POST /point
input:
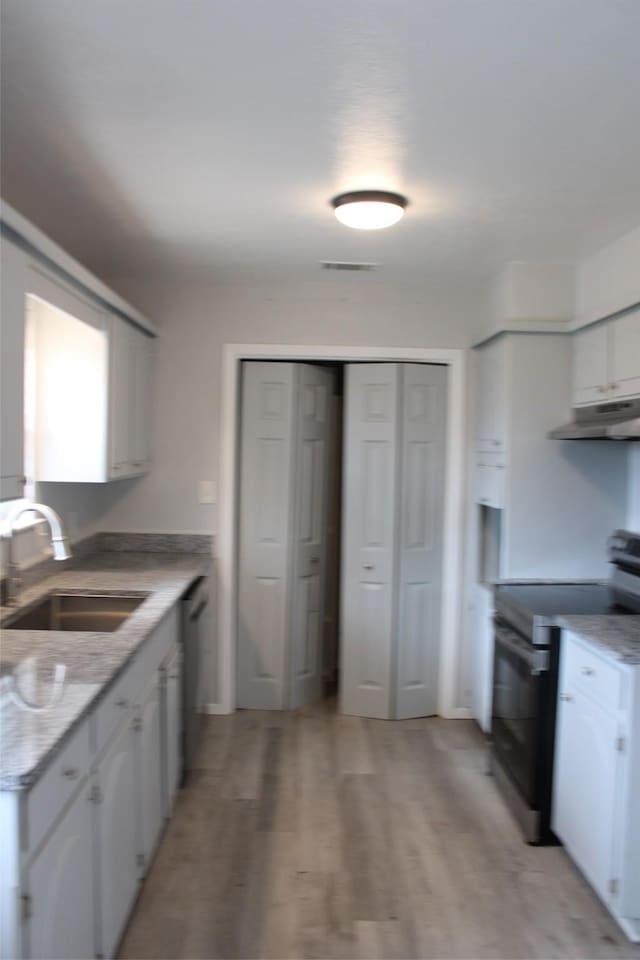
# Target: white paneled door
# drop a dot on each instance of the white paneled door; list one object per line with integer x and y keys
{"x": 423, "y": 396}
{"x": 394, "y": 455}
{"x": 369, "y": 523}
{"x": 282, "y": 558}
{"x": 311, "y": 466}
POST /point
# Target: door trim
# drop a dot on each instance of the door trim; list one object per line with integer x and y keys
{"x": 227, "y": 538}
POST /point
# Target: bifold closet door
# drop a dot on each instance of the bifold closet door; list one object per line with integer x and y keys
{"x": 393, "y": 497}
{"x": 420, "y": 519}
{"x": 266, "y": 488}
{"x": 285, "y": 435}
{"x": 369, "y": 506}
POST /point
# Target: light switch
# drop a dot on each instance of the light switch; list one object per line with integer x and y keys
{"x": 207, "y": 491}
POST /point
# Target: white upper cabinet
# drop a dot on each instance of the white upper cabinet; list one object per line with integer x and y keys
{"x": 606, "y": 361}
{"x": 129, "y": 391}
{"x": 624, "y": 351}
{"x": 13, "y": 265}
{"x": 91, "y": 384}
{"x": 491, "y": 413}
{"x": 590, "y": 365}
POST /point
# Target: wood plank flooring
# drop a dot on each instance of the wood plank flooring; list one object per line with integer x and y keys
{"x": 314, "y": 835}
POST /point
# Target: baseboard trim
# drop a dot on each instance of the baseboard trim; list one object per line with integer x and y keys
{"x": 214, "y": 709}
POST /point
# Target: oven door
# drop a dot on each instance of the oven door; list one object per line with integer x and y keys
{"x": 520, "y": 683}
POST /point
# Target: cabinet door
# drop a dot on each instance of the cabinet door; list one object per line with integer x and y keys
{"x": 624, "y": 346}
{"x": 117, "y": 846}
{"x": 13, "y": 265}
{"x": 60, "y": 882}
{"x": 149, "y": 767}
{"x": 141, "y": 346}
{"x": 491, "y": 396}
{"x": 173, "y": 752}
{"x": 481, "y": 611}
{"x": 120, "y": 398}
{"x": 585, "y": 784}
{"x": 590, "y": 351}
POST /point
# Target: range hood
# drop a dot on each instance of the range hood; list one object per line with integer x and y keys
{"x": 607, "y": 421}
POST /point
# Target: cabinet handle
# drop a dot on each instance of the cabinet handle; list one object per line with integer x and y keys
{"x": 368, "y": 566}
{"x": 71, "y": 773}
{"x": 496, "y": 443}
{"x": 613, "y": 386}
{"x": 566, "y": 697}
{"x": 587, "y": 671}
{"x": 122, "y": 703}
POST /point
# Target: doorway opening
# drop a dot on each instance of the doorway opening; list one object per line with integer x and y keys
{"x": 450, "y": 681}
{"x": 340, "y": 535}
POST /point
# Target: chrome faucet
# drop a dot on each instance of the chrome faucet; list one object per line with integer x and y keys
{"x": 59, "y": 542}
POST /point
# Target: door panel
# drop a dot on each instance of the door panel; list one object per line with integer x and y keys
{"x": 422, "y": 458}
{"x": 584, "y": 785}
{"x": 149, "y": 766}
{"x": 117, "y": 831}
{"x": 61, "y": 884}
{"x": 266, "y": 490}
{"x": 312, "y": 448}
{"x": 369, "y": 521}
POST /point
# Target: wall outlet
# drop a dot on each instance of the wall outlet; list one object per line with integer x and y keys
{"x": 207, "y": 491}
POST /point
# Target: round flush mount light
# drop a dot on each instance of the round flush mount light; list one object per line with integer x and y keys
{"x": 369, "y": 209}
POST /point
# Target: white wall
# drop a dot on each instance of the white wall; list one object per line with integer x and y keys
{"x": 196, "y": 321}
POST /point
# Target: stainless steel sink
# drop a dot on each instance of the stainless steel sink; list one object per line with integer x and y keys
{"x": 98, "y": 613}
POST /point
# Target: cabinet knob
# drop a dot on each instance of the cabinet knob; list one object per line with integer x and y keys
{"x": 566, "y": 697}
{"x": 368, "y": 566}
{"x": 70, "y": 773}
{"x": 122, "y": 703}
{"x": 602, "y": 389}
{"x": 613, "y": 386}
{"x": 587, "y": 671}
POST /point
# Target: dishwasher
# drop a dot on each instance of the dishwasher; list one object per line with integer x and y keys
{"x": 193, "y": 605}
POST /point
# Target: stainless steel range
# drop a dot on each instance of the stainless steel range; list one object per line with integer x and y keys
{"x": 525, "y": 681}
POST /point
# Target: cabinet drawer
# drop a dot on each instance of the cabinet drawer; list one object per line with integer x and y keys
{"x": 49, "y": 795}
{"x": 118, "y": 702}
{"x": 490, "y": 480}
{"x": 588, "y": 672}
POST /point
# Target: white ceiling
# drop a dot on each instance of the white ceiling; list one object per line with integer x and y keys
{"x": 207, "y": 136}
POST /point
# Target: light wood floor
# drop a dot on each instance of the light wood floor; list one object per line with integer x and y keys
{"x": 311, "y": 834}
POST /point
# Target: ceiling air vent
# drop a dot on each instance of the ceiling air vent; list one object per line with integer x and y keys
{"x": 348, "y": 265}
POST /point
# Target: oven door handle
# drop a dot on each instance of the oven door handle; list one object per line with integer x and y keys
{"x": 537, "y": 660}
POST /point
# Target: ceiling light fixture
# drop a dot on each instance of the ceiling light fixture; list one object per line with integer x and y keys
{"x": 369, "y": 209}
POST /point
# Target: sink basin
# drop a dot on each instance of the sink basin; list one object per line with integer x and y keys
{"x": 65, "y": 611}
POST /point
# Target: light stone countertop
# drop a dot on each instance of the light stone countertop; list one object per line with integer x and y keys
{"x": 28, "y": 741}
{"x": 616, "y": 635}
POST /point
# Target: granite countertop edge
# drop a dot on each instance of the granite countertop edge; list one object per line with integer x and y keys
{"x": 617, "y": 635}
{"x": 163, "y": 580}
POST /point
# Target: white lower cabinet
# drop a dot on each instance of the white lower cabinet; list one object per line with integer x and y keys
{"x": 117, "y": 837}
{"x": 148, "y": 749}
{"x": 74, "y": 848}
{"x": 173, "y": 731}
{"x": 58, "y": 885}
{"x": 596, "y": 779}
{"x": 585, "y": 786}
{"x": 481, "y": 623}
